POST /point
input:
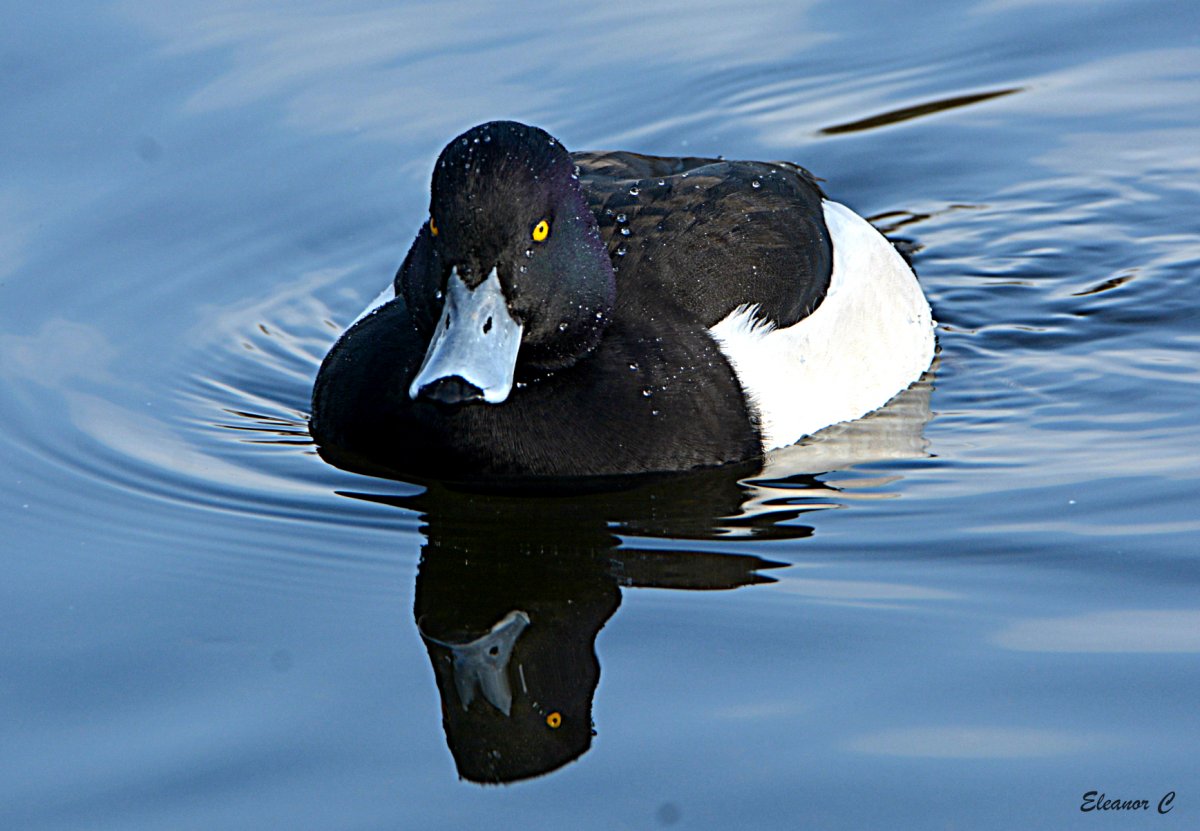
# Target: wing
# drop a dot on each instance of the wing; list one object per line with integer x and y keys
{"x": 710, "y": 234}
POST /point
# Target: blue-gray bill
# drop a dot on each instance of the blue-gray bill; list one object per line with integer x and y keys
{"x": 476, "y": 340}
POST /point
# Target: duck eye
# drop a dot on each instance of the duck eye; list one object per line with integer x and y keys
{"x": 541, "y": 231}
{"x": 433, "y": 227}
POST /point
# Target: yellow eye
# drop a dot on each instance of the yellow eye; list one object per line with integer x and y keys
{"x": 432, "y": 226}
{"x": 541, "y": 231}
{"x": 554, "y": 719}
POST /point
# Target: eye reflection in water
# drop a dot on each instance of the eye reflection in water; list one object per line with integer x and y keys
{"x": 513, "y": 589}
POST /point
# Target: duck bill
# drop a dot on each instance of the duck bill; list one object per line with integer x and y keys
{"x": 473, "y": 353}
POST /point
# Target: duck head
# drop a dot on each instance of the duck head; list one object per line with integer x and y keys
{"x": 509, "y": 275}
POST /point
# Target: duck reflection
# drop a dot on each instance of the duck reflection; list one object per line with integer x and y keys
{"x": 513, "y": 589}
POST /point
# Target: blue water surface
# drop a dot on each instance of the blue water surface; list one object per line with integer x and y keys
{"x": 967, "y": 611}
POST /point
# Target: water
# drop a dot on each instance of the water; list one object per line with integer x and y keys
{"x": 965, "y": 612}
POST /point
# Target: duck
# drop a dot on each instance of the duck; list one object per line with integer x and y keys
{"x": 606, "y": 313}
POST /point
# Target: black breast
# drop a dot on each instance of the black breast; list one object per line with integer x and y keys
{"x": 654, "y": 396}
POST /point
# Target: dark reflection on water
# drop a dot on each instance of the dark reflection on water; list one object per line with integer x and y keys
{"x": 513, "y": 588}
{"x": 511, "y": 593}
{"x": 915, "y": 111}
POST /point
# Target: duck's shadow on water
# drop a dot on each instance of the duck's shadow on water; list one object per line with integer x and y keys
{"x": 512, "y": 590}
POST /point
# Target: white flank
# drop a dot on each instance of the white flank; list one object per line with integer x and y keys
{"x": 385, "y": 296}
{"x": 869, "y": 339}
